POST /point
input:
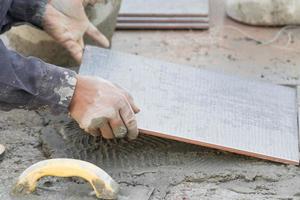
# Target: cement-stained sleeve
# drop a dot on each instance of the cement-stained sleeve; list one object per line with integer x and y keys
{"x": 21, "y": 11}
{"x": 30, "y": 83}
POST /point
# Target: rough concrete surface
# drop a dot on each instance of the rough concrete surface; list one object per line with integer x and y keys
{"x": 158, "y": 168}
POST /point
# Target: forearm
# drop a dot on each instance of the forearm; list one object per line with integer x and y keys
{"x": 21, "y": 11}
{"x": 32, "y": 84}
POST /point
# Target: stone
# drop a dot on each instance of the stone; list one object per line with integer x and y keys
{"x": 266, "y": 12}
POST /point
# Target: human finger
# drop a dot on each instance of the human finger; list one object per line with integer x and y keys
{"x": 129, "y": 120}
{"x": 75, "y": 49}
{"x": 81, "y": 43}
{"x": 106, "y": 131}
{"x": 134, "y": 107}
{"x": 129, "y": 98}
{"x": 97, "y": 36}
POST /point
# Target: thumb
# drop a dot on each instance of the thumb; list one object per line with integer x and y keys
{"x": 97, "y": 36}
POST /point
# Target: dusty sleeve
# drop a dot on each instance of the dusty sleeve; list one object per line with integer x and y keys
{"x": 30, "y": 83}
{"x": 13, "y": 12}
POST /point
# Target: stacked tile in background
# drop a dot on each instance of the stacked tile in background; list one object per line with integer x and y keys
{"x": 164, "y": 14}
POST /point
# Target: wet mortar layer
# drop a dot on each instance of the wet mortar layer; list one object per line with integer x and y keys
{"x": 175, "y": 170}
{"x": 167, "y": 169}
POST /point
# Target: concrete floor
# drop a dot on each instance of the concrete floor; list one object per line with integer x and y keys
{"x": 199, "y": 173}
{"x": 225, "y": 47}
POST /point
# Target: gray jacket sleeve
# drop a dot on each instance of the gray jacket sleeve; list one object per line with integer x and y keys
{"x": 30, "y": 83}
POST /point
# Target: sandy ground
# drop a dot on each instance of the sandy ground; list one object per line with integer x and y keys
{"x": 161, "y": 169}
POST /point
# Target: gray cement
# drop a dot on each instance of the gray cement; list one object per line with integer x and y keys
{"x": 165, "y": 169}
{"x": 149, "y": 166}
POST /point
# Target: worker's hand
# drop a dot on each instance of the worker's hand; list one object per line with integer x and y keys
{"x": 67, "y": 23}
{"x": 101, "y": 107}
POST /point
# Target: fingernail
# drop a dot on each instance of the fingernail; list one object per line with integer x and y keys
{"x": 106, "y": 43}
